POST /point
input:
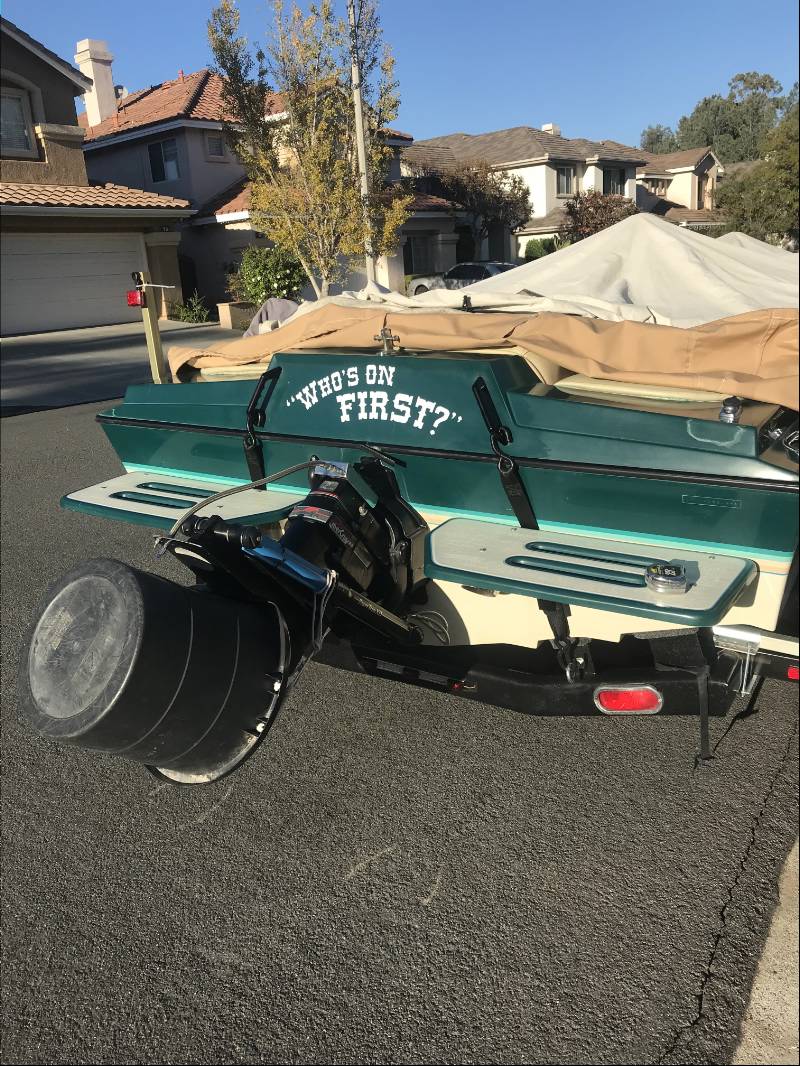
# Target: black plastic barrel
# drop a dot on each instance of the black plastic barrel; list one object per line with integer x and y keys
{"x": 128, "y": 663}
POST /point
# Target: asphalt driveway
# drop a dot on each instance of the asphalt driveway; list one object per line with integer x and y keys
{"x": 398, "y": 876}
{"x": 73, "y": 366}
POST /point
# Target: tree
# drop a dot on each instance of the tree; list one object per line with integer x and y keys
{"x": 590, "y": 212}
{"x": 764, "y": 200}
{"x": 711, "y": 122}
{"x": 303, "y": 165}
{"x": 658, "y": 139}
{"x": 487, "y": 197}
{"x": 734, "y": 125}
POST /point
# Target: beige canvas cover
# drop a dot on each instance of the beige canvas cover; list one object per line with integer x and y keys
{"x": 753, "y": 355}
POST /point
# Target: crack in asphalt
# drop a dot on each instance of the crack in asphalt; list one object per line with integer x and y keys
{"x": 683, "y": 1035}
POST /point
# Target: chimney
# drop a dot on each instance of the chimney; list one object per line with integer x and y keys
{"x": 94, "y": 60}
{"x": 551, "y": 127}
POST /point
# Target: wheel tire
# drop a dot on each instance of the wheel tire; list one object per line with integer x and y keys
{"x": 420, "y": 289}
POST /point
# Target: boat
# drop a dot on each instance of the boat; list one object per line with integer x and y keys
{"x": 471, "y": 516}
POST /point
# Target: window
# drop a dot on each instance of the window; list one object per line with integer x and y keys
{"x": 614, "y": 182}
{"x": 657, "y": 186}
{"x": 17, "y": 140}
{"x": 164, "y": 160}
{"x": 467, "y": 272}
{"x": 215, "y": 146}
{"x": 565, "y": 181}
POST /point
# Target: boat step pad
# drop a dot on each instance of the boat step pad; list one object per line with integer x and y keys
{"x": 598, "y": 572}
{"x": 158, "y": 500}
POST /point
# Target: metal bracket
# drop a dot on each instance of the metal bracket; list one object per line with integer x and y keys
{"x": 388, "y": 339}
{"x": 744, "y": 643}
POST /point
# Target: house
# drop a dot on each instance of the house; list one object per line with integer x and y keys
{"x": 69, "y": 245}
{"x": 553, "y": 168}
{"x": 681, "y": 186}
{"x": 169, "y": 138}
{"x": 223, "y": 227}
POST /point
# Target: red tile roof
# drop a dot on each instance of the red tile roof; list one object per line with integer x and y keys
{"x": 195, "y": 96}
{"x": 397, "y": 135}
{"x": 23, "y": 194}
{"x": 236, "y": 198}
{"x": 426, "y": 202}
{"x": 233, "y": 199}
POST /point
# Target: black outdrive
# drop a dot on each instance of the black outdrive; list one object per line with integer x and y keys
{"x": 188, "y": 680}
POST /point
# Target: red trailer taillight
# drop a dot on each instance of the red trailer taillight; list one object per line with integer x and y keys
{"x": 628, "y": 699}
{"x": 135, "y": 297}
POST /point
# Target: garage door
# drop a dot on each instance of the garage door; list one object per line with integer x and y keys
{"x": 61, "y": 280}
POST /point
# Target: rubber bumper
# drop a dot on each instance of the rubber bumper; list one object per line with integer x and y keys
{"x": 127, "y": 663}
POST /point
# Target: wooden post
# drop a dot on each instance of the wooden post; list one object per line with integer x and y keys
{"x": 158, "y": 367}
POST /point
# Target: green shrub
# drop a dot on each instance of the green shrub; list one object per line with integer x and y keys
{"x": 536, "y": 248}
{"x": 265, "y": 272}
{"x": 191, "y": 310}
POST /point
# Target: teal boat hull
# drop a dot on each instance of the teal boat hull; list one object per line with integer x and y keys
{"x": 587, "y": 467}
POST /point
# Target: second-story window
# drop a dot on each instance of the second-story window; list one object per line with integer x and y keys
{"x": 17, "y": 140}
{"x": 565, "y": 181}
{"x": 614, "y": 181}
{"x": 164, "y": 160}
{"x": 215, "y": 146}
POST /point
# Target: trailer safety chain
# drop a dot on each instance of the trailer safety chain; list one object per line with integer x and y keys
{"x": 563, "y": 643}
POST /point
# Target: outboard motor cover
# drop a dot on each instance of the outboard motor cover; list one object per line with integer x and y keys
{"x": 124, "y": 662}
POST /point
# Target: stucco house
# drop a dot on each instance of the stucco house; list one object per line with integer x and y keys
{"x": 553, "y": 167}
{"x": 169, "y": 138}
{"x": 68, "y": 245}
{"x": 681, "y": 186}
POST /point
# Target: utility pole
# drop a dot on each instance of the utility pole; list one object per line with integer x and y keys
{"x": 360, "y": 141}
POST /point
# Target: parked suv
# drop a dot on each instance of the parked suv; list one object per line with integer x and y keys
{"x": 457, "y": 277}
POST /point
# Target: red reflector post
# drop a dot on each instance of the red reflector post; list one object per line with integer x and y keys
{"x": 135, "y": 298}
{"x": 628, "y": 699}
{"x": 793, "y": 673}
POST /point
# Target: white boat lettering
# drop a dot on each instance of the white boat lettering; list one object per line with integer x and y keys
{"x": 373, "y": 404}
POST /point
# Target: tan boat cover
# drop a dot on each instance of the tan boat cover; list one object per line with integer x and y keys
{"x": 752, "y": 355}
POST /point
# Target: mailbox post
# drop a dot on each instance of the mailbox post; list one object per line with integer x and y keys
{"x": 140, "y": 297}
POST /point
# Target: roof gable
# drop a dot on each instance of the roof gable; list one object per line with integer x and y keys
{"x": 691, "y": 157}
{"x": 80, "y": 81}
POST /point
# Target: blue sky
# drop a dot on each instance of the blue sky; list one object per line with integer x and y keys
{"x": 598, "y": 70}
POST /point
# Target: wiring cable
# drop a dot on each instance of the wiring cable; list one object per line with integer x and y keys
{"x": 240, "y": 488}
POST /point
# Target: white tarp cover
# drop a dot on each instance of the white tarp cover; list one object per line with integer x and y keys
{"x": 640, "y": 270}
{"x": 682, "y": 278}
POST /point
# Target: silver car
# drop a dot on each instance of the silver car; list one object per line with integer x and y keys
{"x": 457, "y": 277}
